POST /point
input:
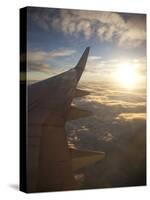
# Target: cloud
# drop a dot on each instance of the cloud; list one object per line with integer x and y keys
{"x": 103, "y": 24}
{"x": 136, "y": 31}
{"x": 94, "y": 58}
{"x": 131, "y": 116}
{"x": 39, "y": 67}
{"x": 116, "y": 116}
{"x": 38, "y": 60}
{"x": 127, "y": 30}
{"x": 43, "y": 55}
{"x": 108, "y": 102}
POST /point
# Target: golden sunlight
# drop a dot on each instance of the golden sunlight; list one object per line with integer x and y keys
{"x": 127, "y": 75}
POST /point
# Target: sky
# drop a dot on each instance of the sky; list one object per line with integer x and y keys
{"x": 56, "y": 38}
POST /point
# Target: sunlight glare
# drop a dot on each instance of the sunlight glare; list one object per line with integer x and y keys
{"x": 127, "y": 75}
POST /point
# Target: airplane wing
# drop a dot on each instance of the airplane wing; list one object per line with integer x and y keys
{"x": 49, "y": 160}
{"x": 84, "y": 158}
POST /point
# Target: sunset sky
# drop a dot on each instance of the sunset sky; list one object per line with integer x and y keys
{"x": 57, "y": 38}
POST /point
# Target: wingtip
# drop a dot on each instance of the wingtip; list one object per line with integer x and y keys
{"x": 82, "y": 62}
{"x": 88, "y": 48}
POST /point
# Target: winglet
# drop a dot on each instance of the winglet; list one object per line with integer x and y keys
{"x": 82, "y": 62}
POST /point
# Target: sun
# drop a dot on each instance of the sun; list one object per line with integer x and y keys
{"x": 127, "y": 75}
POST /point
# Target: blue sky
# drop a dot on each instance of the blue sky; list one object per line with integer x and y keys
{"x": 57, "y": 38}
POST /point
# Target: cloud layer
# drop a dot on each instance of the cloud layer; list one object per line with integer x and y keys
{"x": 116, "y": 115}
{"x": 38, "y": 60}
{"x": 131, "y": 116}
{"x": 127, "y": 30}
{"x": 117, "y": 126}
